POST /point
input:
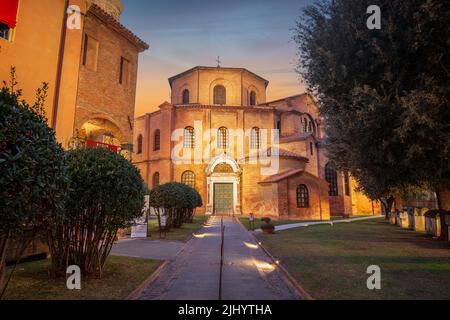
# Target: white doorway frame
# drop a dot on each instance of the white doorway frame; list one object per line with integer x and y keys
{"x": 231, "y": 178}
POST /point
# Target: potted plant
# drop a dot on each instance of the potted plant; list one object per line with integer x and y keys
{"x": 267, "y": 227}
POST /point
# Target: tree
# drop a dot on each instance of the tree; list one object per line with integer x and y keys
{"x": 32, "y": 172}
{"x": 175, "y": 200}
{"x": 106, "y": 194}
{"x": 384, "y": 93}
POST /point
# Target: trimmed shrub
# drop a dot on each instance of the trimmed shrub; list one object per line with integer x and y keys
{"x": 32, "y": 172}
{"x": 195, "y": 201}
{"x": 106, "y": 194}
{"x": 177, "y": 201}
{"x": 266, "y": 219}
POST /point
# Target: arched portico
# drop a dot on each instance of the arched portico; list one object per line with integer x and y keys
{"x": 223, "y": 186}
{"x": 103, "y": 132}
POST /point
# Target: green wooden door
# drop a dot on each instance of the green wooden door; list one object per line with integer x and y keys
{"x": 223, "y": 198}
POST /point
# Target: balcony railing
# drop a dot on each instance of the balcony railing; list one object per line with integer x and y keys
{"x": 95, "y": 145}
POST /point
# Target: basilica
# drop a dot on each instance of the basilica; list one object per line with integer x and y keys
{"x": 242, "y": 153}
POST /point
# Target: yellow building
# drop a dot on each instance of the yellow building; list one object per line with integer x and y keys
{"x": 243, "y": 154}
{"x": 80, "y": 48}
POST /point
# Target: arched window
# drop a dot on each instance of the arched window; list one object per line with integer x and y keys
{"x": 313, "y": 126}
{"x": 220, "y": 95}
{"x": 302, "y": 196}
{"x": 255, "y": 138}
{"x": 347, "y": 184}
{"x": 308, "y": 124}
{"x": 157, "y": 140}
{"x": 305, "y": 125}
{"x": 139, "y": 144}
{"x": 156, "y": 179}
{"x": 186, "y": 96}
{"x": 189, "y": 138}
{"x": 252, "y": 98}
{"x": 188, "y": 178}
{"x": 222, "y": 138}
{"x": 331, "y": 177}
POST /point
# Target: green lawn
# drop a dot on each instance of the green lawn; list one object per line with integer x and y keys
{"x": 258, "y": 222}
{"x": 182, "y": 234}
{"x": 121, "y": 276}
{"x": 330, "y": 262}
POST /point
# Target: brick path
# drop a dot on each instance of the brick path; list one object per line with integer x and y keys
{"x": 248, "y": 274}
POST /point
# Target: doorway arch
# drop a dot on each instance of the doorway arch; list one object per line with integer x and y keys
{"x": 223, "y": 186}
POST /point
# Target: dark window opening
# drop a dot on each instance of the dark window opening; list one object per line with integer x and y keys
{"x": 331, "y": 177}
{"x": 139, "y": 144}
{"x": 157, "y": 145}
{"x": 220, "y": 95}
{"x": 4, "y": 31}
{"x": 85, "y": 49}
{"x": 253, "y": 98}
{"x": 156, "y": 181}
{"x": 186, "y": 96}
{"x": 302, "y": 196}
{"x": 124, "y": 71}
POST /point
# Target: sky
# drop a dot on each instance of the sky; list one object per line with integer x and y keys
{"x": 252, "y": 34}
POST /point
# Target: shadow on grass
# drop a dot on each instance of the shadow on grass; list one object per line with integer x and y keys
{"x": 121, "y": 276}
{"x": 331, "y": 261}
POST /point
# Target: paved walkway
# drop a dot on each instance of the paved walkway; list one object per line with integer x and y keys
{"x": 147, "y": 249}
{"x": 308, "y": 224}
{"x": 248, "y": 274}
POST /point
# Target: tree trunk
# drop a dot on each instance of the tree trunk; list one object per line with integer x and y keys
{"x": 387, "y": 205}
{"x": 4, "y": 239}
{"x": 384, "y": 208}
{"x": 443, "y": 200}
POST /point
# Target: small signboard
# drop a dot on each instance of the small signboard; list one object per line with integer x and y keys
{"x": 163, "y": 221}
{"x": 140, "y": 227}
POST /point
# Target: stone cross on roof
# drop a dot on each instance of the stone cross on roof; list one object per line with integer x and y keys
{"x": 218, "y": 62}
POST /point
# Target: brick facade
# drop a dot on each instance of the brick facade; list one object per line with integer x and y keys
{"x": 84, "y": 95}
{"x": 109, "y": 66}
{"x": 301, "y": 161}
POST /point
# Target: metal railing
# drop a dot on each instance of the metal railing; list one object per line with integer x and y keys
{"x": 96, "y": 145}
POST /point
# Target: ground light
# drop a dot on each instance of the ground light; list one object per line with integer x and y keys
{"x": 203, "y": 235}
{"x": 251, "y": 245}
{"x": 265, "y": 266}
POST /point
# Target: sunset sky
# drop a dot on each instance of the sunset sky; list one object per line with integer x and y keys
{"x": 254, "y": 34}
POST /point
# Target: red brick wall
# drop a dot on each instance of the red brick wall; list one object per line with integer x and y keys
{"x": 116, "y": 101}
